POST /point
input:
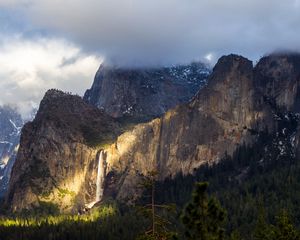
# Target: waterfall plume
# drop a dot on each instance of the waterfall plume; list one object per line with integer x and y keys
{"x": 100, "y": 177}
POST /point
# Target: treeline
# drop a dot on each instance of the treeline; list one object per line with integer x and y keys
{"x": 202, "y": 218}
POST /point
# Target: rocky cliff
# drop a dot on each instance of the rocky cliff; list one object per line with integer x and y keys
{"x": 223, "y": 115}
{"x": 145, "y": 93}
{"x": 57, "y": 160}
{"x": 57, "y": 156}
{"x": 277, "y": 78}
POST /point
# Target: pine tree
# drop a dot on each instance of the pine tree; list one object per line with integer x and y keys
{"x": 262, "y": 229}
{"x": 203, "y": 217}
{"x": 159, "y": 229}
{"x": 285, "y": 229}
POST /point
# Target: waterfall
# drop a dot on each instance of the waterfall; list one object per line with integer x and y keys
{"x": 99, "y": 180}
{"x": 100, "y": 177}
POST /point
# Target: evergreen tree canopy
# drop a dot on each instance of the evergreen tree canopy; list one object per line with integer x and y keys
{"x": 203, "y": 217}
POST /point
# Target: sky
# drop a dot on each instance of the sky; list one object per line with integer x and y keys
{"x": 60, "y": 44}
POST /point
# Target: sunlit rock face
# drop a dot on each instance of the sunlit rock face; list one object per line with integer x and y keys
{"x": 10, "y": 130}
{"x": 145, "y": 93}
{"x": 216, "y": 121}
{"x": 231, "y": 110}
{"x": 58, "y": 157}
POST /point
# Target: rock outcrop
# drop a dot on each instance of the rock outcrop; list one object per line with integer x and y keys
{"x": 145, "y": 93}
{"x": 231, "y": 110}
{"x": 216, "y": 121}
{"x": 57, "y": 156}
{"x": 277, "y": 77}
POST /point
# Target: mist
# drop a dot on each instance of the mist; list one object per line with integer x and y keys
{"x": 60, "y": 44}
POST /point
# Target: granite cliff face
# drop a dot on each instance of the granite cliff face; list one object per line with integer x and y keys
{"x": 277, "y": 77}
{"x": 10, "y": 130}
{"x": 57, "y": 155}
{"x": 238, "y": 102}
{"x": 145, "y": 93}
{"x": 216, "y": 121}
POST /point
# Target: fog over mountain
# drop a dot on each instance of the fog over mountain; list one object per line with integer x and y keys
{"x": 74, "y": 36}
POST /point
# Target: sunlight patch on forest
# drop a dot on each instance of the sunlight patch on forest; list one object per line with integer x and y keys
{"x": 94, "y": 215}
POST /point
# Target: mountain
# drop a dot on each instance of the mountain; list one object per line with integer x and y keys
{"x": 11, "y": 123}
{"x": 57, "y": 153}
{"x": 70, "y": 143}
{"x": 221, "y": 116}
{"x": 145, "y": 93}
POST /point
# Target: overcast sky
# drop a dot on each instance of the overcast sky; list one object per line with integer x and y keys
{"x": 55, "y": 43}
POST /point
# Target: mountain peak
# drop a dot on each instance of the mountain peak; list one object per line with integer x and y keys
{"x": 277, "y": 77}
{"x": 145, "y": 93}
{"x": 227, "y": 63}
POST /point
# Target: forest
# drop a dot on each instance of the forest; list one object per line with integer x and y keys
{"x": 253, "y": 194}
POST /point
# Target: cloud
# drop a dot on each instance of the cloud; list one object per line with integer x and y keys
{"x": 54, "y": 44}
{"x": 169, "y": 31}
{"x": 30, "y": 67}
